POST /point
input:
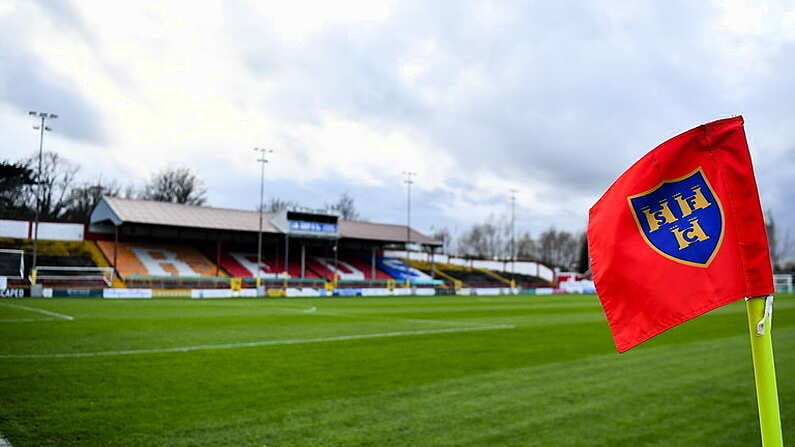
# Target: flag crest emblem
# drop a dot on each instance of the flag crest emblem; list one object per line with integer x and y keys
{"x": 679, "y": 233}
{"x": 681, "y": 219}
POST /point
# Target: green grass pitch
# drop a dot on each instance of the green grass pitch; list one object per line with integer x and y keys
{"x": 440, "y": 371}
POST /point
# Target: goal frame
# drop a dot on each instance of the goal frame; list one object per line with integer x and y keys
{"x": 21, "y": 254}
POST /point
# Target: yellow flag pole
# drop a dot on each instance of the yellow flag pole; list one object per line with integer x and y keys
{"x": 760, "y": 312}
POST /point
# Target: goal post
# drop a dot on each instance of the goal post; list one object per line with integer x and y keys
{"x": 12, "y": 263}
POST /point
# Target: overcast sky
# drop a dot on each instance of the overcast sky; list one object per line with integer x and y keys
{"x": 553, "y": 99}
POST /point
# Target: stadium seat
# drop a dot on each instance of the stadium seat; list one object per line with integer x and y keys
{"x": 358, "y": 262}
{"x": 400, "y": 270}
{"x": 244, "y": 265}
{"x": 319, "y": 268}
{"x": 235, "y": 268}
{"x": 347, "y": 268}
{"x": 158, "y": 260}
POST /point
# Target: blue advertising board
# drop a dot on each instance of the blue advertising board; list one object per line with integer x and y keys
{"x": 312, "y": 227}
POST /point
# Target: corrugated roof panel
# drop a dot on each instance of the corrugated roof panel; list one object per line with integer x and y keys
{"x": 171, "y": 214}
{"x": 381, "y": 232}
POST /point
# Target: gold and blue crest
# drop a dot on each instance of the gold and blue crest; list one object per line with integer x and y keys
{"x": 681, "y": 219}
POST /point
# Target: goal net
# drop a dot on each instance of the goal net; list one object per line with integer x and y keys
{"x": 12, "y": 263}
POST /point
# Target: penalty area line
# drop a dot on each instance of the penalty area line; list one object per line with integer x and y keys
{"x": 254, "y": 344}
{"x": 37, "y": 310}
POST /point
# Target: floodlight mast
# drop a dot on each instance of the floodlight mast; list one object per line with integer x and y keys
{"x": 513, "y": 231}
{"x": 408, "y": 181}
{"x": 263, "y": 152}
{"x": 42, "y": 127}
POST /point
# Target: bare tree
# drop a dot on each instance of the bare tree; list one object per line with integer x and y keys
{"x": 443, "y": 235}
{"x": 13, "y": 175}
{"x": 485, "y": 240}
{"x": 53, "y": 184}
{"x": 176, "y": 185}
{"x": 778, "y": 244}
{"x": 571, "y": 250}
{"x": 276, "y": 204}
{"x": 505, "y": 236}
{"x": 130, "y": 192}
{"x": 84, "y": 197}
{"x": 526, "y": 247}
{"x": 471, "y": 242}
{"x": 345, "y": 206}
{"x": 13, "y": 178}
{"x": 558, "y": 248}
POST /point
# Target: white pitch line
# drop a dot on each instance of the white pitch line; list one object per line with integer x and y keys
{"x": 37, "y": 310}
{"x": 447, "y": 322}
{"x": 390, "y": 318}
{"x": 253, "y": 344}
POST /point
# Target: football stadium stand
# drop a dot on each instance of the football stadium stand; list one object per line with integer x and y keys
{"x": 242, "y": 264}
{"x": 60, "y": 264}
{"x": 524, "y": 269}
{"x": 136, "y": 259}
{"x": 401, "y": 271}
{"x": 360, "y": 262}
{"x": 473, "y": 277}
{"x": 462, "y": 276}
{"x": 327, "y": 267}
{"x": 352, "y": 267}
{"x": 526, "y": 281}
{"x": 148, "y": 245}
{"x": 157, "y": 240}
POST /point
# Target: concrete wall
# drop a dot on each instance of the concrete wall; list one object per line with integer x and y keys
{"x": 24, "y": 229}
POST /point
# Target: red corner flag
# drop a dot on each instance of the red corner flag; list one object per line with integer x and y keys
{"x": 679, "y": 233}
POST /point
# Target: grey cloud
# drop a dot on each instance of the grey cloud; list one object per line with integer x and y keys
{"x": 25, "y": 88}
{"x": 570, "y": 93}
{"x": 26, "y": 84}
{"x": 545, "y": 97}
{"x": 63, "y": 14}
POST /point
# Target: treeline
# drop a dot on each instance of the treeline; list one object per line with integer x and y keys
{"x": 569, "y": 251}
{"x": 492, "y": 240}
{"x": 64, "y": 196}
{"x": 781, "y": 246}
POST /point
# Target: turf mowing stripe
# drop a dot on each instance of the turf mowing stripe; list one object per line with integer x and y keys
{"x": 41, "y": 311}
{"x": 365, "y": 316}
{"x": 27, "y": 320}
{"x": 253, "y": 344}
